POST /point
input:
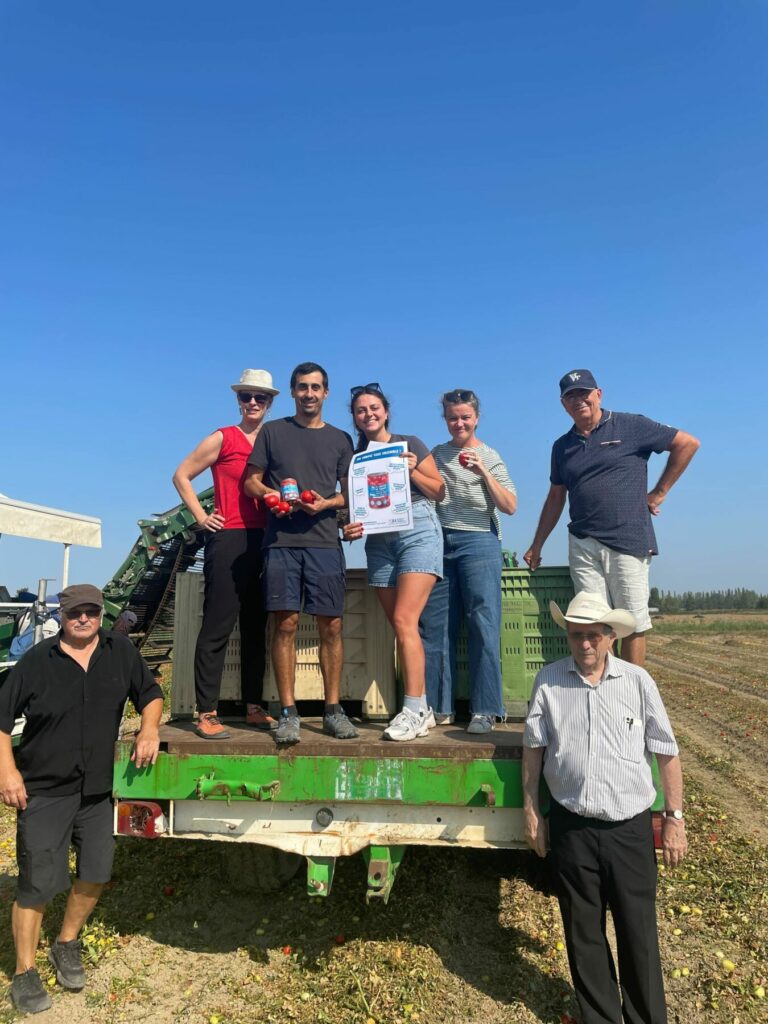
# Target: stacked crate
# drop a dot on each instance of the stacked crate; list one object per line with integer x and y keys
{"x": 530, "y": 638}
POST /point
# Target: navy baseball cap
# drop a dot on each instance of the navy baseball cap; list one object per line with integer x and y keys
{"x": 581, "y": 379}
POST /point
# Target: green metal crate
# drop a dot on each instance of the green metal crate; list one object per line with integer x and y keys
{"x": 530, "y": 638}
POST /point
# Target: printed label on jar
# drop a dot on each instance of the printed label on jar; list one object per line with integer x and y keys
{"x": 289, "y": 490}
{"x": 378, "y": 490}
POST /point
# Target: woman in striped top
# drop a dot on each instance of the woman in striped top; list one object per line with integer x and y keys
{"x": 478, "y": 487}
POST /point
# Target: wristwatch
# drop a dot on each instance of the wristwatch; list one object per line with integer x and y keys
{"x": 676, "y": 814}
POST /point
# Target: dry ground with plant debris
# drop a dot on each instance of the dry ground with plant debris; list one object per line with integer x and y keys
{"x": 468, "y": 936}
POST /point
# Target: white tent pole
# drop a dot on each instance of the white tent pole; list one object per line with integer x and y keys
{"x": 65, "y": 570}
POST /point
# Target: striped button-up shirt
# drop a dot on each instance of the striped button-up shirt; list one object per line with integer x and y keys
{"x": 599, "y": 738}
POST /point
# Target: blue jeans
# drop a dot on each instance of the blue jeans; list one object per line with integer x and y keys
{"x": 471, "y": 587}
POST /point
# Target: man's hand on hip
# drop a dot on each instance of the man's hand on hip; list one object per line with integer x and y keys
{"x": 655, "y": 498}
{"x": 674, "y": 842}
{"x": 13, "y": 792}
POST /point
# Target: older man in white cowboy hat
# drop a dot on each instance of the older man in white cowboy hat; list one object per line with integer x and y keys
{"x": 594, "y": 723}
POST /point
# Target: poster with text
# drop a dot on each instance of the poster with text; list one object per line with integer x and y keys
{"x": 380, "y": 488}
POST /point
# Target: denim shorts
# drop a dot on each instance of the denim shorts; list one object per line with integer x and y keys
{"x": 419, "y": 549}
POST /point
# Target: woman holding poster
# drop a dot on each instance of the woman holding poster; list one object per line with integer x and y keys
{"x": 478, "y": 487}
{"x": 403, "y": 566}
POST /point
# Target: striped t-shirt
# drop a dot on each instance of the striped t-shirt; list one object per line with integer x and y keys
{"x": 467, "y": 505}
{"x": 599, "y": 738}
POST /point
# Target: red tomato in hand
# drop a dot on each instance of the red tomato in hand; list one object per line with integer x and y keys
{"x": 307, "y": 497}
{"x": 464, "y": 459}
{"x": 283, "y": 506}
{"x": 271, "y": 500}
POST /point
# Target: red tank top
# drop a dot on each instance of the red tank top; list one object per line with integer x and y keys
{"x": 239, "y": 511}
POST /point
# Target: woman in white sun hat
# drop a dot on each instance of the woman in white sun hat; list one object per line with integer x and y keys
{"x": 234, "y": 532}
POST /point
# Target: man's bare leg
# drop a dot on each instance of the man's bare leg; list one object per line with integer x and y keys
{"x": 25, "y": 925}
{"x": 83, "y": 897}
{"x": 284, "y": 654}
{"x": 331, "y": 655}
{"x": 633, "y": 648}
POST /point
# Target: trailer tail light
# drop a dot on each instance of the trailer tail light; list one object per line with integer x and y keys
{"x": 657, "y": 820}
{"x": 140, "y": 818}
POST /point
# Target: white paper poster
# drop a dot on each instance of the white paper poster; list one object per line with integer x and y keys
{"x": 380, "y": 488}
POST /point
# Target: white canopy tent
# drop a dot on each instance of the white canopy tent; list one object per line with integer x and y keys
{"x": 20, "y": 519}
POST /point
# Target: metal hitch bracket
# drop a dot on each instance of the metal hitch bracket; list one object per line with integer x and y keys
{"x": 320, "y": 875}
{"x": 383, "y": 862}
{"x": 208, "y": 787}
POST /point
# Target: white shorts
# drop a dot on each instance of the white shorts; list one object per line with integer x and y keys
{"x": 621, "y": 580}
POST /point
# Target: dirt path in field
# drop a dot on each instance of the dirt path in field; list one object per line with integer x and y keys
{"x": 717, "y": 682}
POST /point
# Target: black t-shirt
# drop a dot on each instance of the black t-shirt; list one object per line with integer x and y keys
{"x": 73, "y": 716}
{"x": 317, "y": 459}
{"x": 419, "y": 449}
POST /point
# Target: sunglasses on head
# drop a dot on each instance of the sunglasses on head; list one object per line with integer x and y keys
{"x": 360, "y": 388}
{"x": 458, "y": 395}
{"x": 252, "y": 396}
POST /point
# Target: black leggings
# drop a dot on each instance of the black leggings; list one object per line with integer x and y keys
{"x": 233, "y": 561}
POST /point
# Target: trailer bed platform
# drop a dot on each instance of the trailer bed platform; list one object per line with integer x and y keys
{"x": 443, "y": 742}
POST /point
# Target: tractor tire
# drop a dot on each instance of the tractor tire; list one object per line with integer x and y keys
{"x": 252, "y": 867}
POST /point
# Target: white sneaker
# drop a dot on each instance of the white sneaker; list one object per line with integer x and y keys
{"x": 406, "y": 726}
{"x": 481, "y": 723}
{"x": 430, "y": 719}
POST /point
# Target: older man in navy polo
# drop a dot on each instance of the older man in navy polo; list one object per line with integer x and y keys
{"x": 601, "y": 464}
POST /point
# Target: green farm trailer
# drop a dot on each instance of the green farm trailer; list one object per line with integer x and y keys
{"x": 323, "y": 799}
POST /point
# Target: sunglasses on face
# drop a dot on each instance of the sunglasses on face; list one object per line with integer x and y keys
{"x": 360, "y": 388}
{"x": 252, "y": 396}
{"x": 457, "y": 396}
{"x": 92, "y": 612}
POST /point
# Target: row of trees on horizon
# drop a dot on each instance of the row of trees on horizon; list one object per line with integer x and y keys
{"x": 739, "y": 599}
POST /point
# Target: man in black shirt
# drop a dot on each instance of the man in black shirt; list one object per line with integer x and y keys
{"x": 303, "y": 562}
{"x": 71, "y": 689}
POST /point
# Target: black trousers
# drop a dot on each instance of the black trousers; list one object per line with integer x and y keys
{"x": 232, "y": 569}
{"x": 599, "y": 864}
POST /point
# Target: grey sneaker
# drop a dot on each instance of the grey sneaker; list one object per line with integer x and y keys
{"x": 339, "y": 725}
{"x": 67, "y": 958}
{"x": 287, "y": 731}
{"x": 406, "y": 726}
{"x": 445, "y": 719}
{"x": 481, "y": 723}
{"x": 28, "y": 994}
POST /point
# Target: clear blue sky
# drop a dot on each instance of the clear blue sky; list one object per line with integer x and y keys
{"x": 430, "y": 195}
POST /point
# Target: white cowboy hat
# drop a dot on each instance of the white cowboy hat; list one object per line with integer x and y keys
{"x": 586, "y": 607}
{"x": 255, "y": 380}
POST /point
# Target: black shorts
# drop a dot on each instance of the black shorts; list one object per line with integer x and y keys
{"x": 304, "y": 579}
{"x": 44, "y": 832}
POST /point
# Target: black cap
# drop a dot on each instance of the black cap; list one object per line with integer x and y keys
{"x": 581, "y": 379}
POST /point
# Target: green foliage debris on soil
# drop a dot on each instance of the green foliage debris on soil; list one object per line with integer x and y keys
{"x": 467, "y": 936}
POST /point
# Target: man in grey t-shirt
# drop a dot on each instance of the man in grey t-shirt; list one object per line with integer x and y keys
{"x": 303, "y": 561}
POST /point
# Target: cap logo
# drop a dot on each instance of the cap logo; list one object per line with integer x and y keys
{"x": 575, "y": 376}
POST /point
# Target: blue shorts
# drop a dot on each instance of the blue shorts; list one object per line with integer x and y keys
{"x": 417, "y": 550}
{"x": 44, "y": 832}
{"x": 312, "y": 580}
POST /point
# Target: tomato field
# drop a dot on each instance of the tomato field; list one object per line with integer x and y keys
{"x": 468, "y": 936}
